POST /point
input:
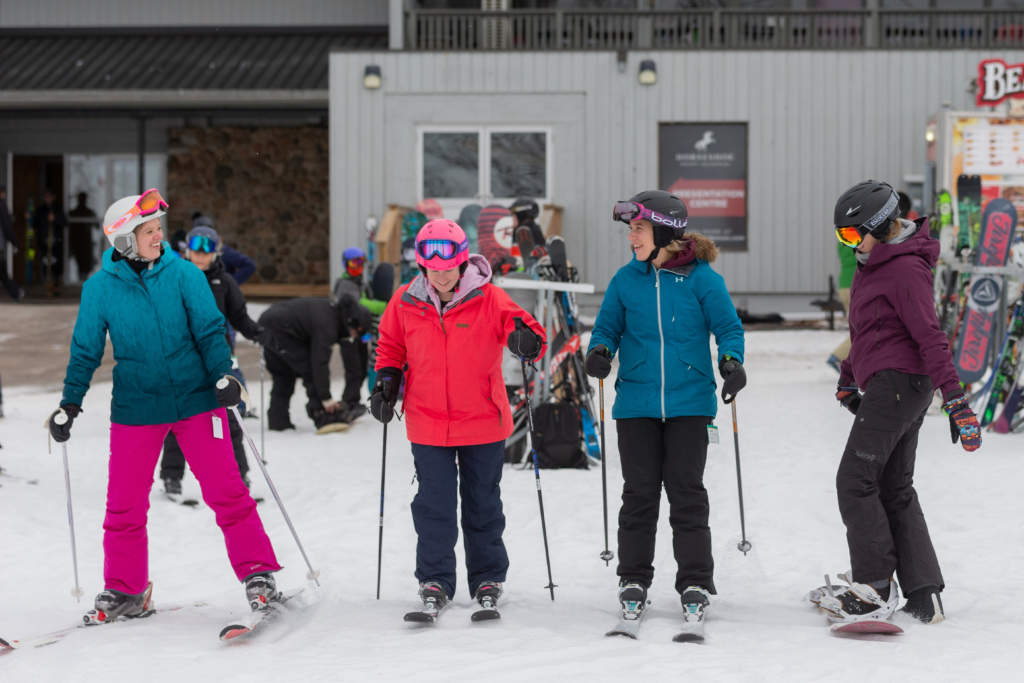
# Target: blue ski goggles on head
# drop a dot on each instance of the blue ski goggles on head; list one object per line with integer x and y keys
{"x": 202, "y": 243}
{"x": 446, "y": 249}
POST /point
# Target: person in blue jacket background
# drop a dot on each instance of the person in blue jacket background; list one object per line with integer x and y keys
{"x": 658, "y": 313}
{"x": 171, "y": 374}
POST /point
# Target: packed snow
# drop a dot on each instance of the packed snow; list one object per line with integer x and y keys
{"x": 791, "y": 435}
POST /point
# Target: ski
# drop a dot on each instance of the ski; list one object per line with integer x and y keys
{"x": 865, "y": 626}
{"x": 632, "y": 613}
{"x": 258, "y": 620}
{"x": 690, "y": 635}
{"x": 427, "y": 615}
{"x": 1005, "y": 372}
{"x": 13, "y": 477}
{"x": 181, "y": 500}
{"x": 629, "y": 628}
{"x": 693, "y": 624}
{"x": 485, "y": 614}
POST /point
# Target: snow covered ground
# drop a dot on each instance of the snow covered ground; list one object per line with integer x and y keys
{"x": 791, "y": 437}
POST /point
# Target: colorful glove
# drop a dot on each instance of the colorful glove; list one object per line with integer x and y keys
{"x": 60, "y": 421}
{"x": 849, "y": 397}
{"x": 734, "y": 378}
{"x": 963, "y": 423}
{"x": 385, "y": 394}
{"x": 524, "y": 342}
{"x": 599, "y": 362}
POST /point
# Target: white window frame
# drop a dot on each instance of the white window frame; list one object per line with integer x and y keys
{"x": 453, "y": 205}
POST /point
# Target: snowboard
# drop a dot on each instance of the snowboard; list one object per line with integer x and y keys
{"x": 974, "y": 342}
{"x": 411, "y": 224}
{"x": 866, "y": 626}
{"x": 495, "y": 234}
{"x": 430, "y": 208}
{"x": 968, "y": 203}
{"x": 467, "y": 221}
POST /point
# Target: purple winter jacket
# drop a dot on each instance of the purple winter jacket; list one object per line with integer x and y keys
{"x": 893, "y": 325}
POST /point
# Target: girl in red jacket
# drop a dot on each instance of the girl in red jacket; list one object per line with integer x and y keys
{"x": 446, "y": 329}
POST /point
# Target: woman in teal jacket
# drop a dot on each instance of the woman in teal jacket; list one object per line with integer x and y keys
{"x": 170, "y": 351}
{"x": 658, "y": 313}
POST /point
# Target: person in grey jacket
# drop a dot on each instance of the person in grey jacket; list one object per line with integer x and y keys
{"x": 898, "y": 357}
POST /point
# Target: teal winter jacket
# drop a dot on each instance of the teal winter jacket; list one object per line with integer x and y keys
{"x": 167, "y": 335}
{"x": 660, "y": 321}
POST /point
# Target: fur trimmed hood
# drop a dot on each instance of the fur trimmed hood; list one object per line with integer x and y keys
{"x": 694, "y": 246}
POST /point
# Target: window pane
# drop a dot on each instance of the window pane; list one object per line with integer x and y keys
{"x": 519, "y": 164}
{"x": 451, "y": 165}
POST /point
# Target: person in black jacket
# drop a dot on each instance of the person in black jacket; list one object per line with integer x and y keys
{"x": 203, "y": 249}
{"x": 304, "y": 333}
{"x": 7, "y": 237}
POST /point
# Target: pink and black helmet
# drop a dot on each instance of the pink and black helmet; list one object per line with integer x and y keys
{"x": 441, "y": 245}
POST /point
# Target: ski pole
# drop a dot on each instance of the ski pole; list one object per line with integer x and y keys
{"x": 313, "y": 574}
{"x": 744, "y": 545}
{"x": 263, "y": 409}
{"x": 536, "y": 474}
{"x": 607, "y": 555}
{"x": 62, "y": 418}
{"x": 380, "y": 519}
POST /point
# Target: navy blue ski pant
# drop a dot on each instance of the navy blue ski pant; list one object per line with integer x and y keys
{"x": 435, "y": 508}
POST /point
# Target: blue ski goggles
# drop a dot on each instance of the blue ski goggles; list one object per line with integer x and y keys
{"x": 202, "y": 243}
{"x": 446, "y": 249}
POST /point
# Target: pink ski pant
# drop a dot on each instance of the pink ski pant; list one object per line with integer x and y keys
{"x": 134, "y": 451}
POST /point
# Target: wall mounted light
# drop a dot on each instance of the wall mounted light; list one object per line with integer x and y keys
{"x": 648, "y": 72}
{"x": 371, "y": 77}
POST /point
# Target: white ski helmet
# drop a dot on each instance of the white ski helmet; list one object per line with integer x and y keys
{"x": 128, "y": 213}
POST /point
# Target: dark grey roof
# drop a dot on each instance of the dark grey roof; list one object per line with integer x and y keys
{"x": 173, "y": 59}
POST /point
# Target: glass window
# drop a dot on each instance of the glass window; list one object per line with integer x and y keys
{"x": 451, "y": 164}
{"x": 518, "y": 164}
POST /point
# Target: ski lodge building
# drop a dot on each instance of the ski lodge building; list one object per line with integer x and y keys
{"x": 291, "y": 123}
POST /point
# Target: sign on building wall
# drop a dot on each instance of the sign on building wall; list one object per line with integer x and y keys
{"x": 705, "y": 164}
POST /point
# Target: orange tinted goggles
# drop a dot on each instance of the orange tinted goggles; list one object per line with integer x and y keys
{"x": 148, "y": 203}
{"x": 849, "y": 235}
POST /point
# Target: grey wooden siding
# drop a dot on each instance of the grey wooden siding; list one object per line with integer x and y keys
{"x": 819, "y": 121}
{"x": 106, "y": 13}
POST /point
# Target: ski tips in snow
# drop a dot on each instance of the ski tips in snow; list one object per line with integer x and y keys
{"x": 865, "y": 626}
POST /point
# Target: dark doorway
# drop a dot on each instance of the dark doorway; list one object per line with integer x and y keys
{"x": 39, "y": 264}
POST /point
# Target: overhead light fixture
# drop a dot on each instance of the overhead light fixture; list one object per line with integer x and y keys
{"x": 648, "y": 72}
{"x": 371, "y": 77}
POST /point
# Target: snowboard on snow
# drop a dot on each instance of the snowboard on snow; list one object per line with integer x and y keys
{"x": 975, "y": 341}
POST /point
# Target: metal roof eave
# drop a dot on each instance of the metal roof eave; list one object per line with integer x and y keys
{"x": 164, "y": 99}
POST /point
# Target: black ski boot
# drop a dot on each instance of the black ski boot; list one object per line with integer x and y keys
{"x": 434, "y": 598}
{"x": 924, "y": 604}
{"x": 487, "y": 594}
{"x": 260, "y": 590}
{"x": 111, "y": 605}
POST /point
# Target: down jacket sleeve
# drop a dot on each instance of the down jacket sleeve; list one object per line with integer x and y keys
{"x": 87, "y": 344}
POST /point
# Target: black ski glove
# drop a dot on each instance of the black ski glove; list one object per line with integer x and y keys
{"x": 524, "y": 342}
{"x": 385, "y": 394}
{"x": 734, "y": 378}
{"x": 230, "y": 391}
{"x": 60, "y": 421}
{"x": 599, "y": 362}
{"x": 849, "y": 397}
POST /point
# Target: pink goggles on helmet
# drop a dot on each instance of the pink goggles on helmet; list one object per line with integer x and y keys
{"x": 629, "y": 211}
{"x": 446, "y": 249}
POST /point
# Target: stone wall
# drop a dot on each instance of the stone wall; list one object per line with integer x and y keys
{"x": 266, "y": 190}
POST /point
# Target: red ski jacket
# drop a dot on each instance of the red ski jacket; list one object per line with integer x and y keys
{"x": 454, "y": 391}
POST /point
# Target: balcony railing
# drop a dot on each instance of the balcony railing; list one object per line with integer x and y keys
{"x": 711, "y": 29}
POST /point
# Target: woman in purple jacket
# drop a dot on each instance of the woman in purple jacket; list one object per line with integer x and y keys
{"x": 899, "y": 357}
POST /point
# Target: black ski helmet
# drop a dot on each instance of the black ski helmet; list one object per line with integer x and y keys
{"x": 524, "y": 208}
{"x": 668, "y": 205}
{"x": 870, "y": 206}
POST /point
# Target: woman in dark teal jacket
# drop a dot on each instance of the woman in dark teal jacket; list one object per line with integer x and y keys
{"x": 658, "y": 313}
{"x": 170, "y": 351}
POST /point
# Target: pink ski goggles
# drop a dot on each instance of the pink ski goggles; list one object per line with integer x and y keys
{"x": 446, "y": 249}
{"x": 629, "y": 211}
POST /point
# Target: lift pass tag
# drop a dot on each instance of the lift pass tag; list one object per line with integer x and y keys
{"x": 712, "y": 434}
{"x": 218, "y": 428}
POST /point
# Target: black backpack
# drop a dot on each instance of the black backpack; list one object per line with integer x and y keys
{"x": 558, "y": 435}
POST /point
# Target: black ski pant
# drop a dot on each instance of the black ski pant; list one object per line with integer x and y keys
{"x": 669, "y": 453}
{"x": 885, "y": 527}
{"x": 172, "y": 463}
{"x": 355, "y": 354}
{"x": 282, "y": 385}
{"x": 445, "y": 474}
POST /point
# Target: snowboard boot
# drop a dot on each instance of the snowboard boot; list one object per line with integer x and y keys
{"x": 329, "y": 422}
{"x": 924, "y": 604}
{"x": 487, "y": 594}
{"x": 172, "y": 486}
{"x": 354, "y": 410}
{"x": 260, "y": 590}
{"x": 111, "y": 605}
{"x": 632, "y": 599}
